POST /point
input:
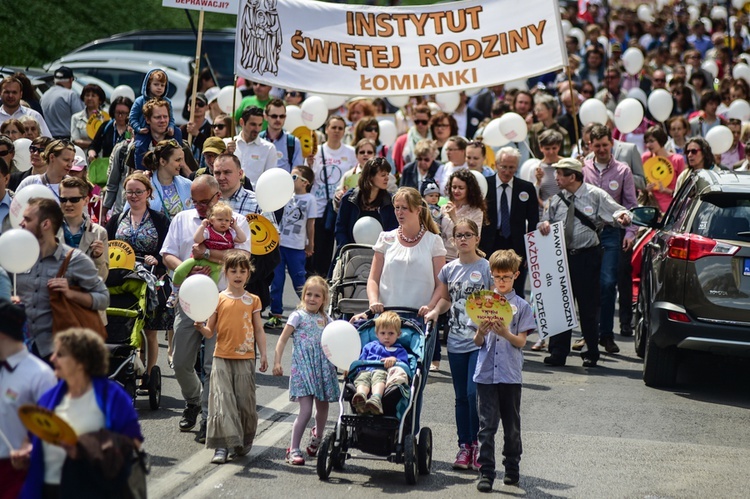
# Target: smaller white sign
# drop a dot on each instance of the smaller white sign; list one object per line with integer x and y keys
{"x": 220, "y": 6}
{"x": 550, "y": 281}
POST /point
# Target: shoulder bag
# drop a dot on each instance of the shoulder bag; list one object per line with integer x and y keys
{"x": 66, "y": 313}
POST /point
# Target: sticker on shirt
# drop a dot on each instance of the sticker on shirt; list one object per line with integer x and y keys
{"x": 389, "y": 238}
{"x": 247, "y": 299}
{"x": 255, "y": 157}
{"x": 475, "y": 276}
{"x": 588, "y": 211}
{"x": 613, "y": 185}
{"x": 11, "y": 395}
{"x": 321, "y": 322}
{"x": 188, "y": 203}
{"x": 279, "y": 155}
{"x": 523, "y": 196}
{"x": 514, "y": 309}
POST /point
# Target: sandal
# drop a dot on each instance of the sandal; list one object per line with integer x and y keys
{"x": 358, "y": 402}
{"x": 312, "y": 446}
{"x": 539, "y": 346}
{"x": 295, "y": 457}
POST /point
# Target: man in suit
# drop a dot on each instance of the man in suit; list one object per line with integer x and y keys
{"x": 512, "y": 209}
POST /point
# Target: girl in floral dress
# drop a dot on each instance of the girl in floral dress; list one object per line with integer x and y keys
{"x": 313, "y": 378}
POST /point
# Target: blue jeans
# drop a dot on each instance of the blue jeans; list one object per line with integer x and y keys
{"x": 294, "y": 260}
{"x": 500, "y": 402}
{"x": 611, "y": 244}
{"x": 463, "y": 366}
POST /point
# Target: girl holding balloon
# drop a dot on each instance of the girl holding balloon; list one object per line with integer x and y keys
{"x": 312, "y": 378}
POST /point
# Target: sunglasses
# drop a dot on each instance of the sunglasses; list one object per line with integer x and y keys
{"x": 35, "y": 149}
{"x": 4, "y": 153}
{"x": 219, "y": 127}
{"x": 442, "y": 125}
{"x": 294, "y": 94}
{"x": 277, "y": 116}
{"x": 372, "y": 129}
{"x": 365, "y": 151}
{"x": 421, "y": 122}
{"x": 200, "y": 103}
{"x": 300, "y": 177}
{"x": 73, "y": 200}
{"x": 122, "y": 113}
{"x": 692, "y": 151}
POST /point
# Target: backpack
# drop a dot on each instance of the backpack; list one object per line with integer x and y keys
{"x": 289, "y": 146}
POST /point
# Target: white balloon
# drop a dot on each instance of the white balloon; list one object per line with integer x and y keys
{"x": 566, "y": 26}
{"x": 122, "y": 91}
{"x": 738, "y": 4}
{"x": 274, "y": 189}
{"x": 22, "y": 157}
{"x": 628, "y": 115}
{"x": 708, "y": 25}
{"x": 513, "y": 126}
{"x": 492, "y": 136}
{"x": 399, "y": 100}
{"x": 645, "y": 13}
{"x": 632, "y": 59}
{"x": 741, "y": 70}
{"x": 472, "y": 91}
{"x": 660, "y": 104}
{"x": 293, "y": 118}
{"x": 314, "y": 112}
{"x": 711, "y": 66}
{"x": 718, "y": 12}
{"x": 332, "y": 101}
{"x": 694, "y": 13}
{"x": 224, "y": 99}
{"x": 366, "y": 231}
{"x": 578, "y": 33}
{"x": 593, "y": 111}
{"x": 519, "y": 84}
{"x": 21, "y": 199}
{"x": 739, "y": 110}
{"x": 388, "y": 133}
{"x": 481, "y": 181}
{"x": 448, "y": 101}
{"x": 19, "y": 250}
{"x": 638, "y": 94}
{"x": 341, "y": 344}
{"x": 605, "y": 43}
{"x": 199, "y": 297}
{"x": 720, "y": 139}
{"x": 528, "y": 169}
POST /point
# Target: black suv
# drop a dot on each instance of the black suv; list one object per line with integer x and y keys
{"x": 695, "y": 277}
{"x": 218, "y": 45}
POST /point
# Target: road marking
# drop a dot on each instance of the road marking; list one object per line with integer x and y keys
{"x": 270, "y": 430}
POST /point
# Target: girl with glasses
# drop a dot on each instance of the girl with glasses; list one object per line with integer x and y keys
{"x": 222, "y": 126}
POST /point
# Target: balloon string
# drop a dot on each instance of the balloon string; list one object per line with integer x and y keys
{"x": 5, "y": 439}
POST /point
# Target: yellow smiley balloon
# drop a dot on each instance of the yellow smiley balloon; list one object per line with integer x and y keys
{"x": 658, "y": 170}
{"x": 308, "y": 140}
{"x": 121, "y": 255}
{"x": 264, "y": 237}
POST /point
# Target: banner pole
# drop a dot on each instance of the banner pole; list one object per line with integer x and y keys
{"x": 574, "y": 102}
{"x": 234, "y": 106}
{"x": 196, "y": 73}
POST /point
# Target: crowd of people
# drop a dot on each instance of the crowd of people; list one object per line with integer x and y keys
{"x": 453, "y": 212}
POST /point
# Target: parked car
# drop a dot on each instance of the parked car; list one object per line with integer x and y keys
{"x": 181, "y": 63}
{"x": 42, "y": 80}
{"x": 124, "y": 72}
{"x": 217, "y": 45}
{"x": 695, "y": 275}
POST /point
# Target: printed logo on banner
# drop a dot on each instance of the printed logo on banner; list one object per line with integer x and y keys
{"x": 261, "y": 37}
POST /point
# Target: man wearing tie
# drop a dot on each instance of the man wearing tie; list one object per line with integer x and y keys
{"x": 513, "y": 210}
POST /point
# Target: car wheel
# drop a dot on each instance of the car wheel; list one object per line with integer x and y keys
{"x": 641, "y": 322}
{"x": 659, "y": 365}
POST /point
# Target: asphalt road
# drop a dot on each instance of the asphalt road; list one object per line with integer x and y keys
{"x": 586, "y": 433}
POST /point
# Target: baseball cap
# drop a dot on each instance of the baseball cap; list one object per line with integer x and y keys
{"x": 200, "y": 96}
{"x": 212, "y": 94}
{"x": 63, "y": 73}
{"x": 569, "y": 163}
{"x": 214, "y": 145}
{"x": 79, "y": 163}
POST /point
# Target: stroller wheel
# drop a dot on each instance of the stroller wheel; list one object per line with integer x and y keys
{"x": 154, "y": 388}
{"x": 129, "y": 387}
{"x": 424, "y": 451}
{"x": 410, "y": 459}
{"x": 328, "y": 454}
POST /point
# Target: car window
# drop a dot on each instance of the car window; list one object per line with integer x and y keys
{"x": 723, "y": 216}
{"x": 115, "y": 45}
{"x": 675, "y": 216}
{"x": 117, "y": 76}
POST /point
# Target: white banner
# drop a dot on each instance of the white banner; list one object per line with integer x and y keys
{"x": 220, "y": 6}
{"x": 550, "y": 281}
{"x": 376, "y": 51}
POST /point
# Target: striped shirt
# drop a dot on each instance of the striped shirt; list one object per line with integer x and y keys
{"x": 594, "y": 203}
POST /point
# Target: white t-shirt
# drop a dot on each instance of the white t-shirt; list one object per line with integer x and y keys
{"x": 338, "y": 162}
{"x": 299, "y": 209}
{"x": 407, "y": 279}
{"x": 84, "y": 416}
{"x": 39, "y": 180}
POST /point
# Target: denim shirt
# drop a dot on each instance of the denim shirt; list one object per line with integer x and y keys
{"x": 499, "y": 361}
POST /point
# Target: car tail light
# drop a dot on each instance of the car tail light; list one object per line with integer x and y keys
{"x": 692, "y": 247}
{"x": 678, "y": 317}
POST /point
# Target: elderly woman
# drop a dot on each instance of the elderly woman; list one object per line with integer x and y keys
{"x": 33, "y": 130}
{"x": 93, "y": 98}
{"x": 465, "y": 200}
{"x": 172, "y": 192}
{"x": 145, "y": 229}
{"x": 369, "y": 199}
{"x": 88, "y": 401}
{"x": 114, "y": 131}
{"x": 545, "y": 110}
{"x": 423, "y": 167}
{"x": 58, "y": 156}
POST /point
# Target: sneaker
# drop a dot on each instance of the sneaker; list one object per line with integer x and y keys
{"x": 609, "y": 345}
{"x": 475, "y": 456}
{"x": 295, "y": 457}
{"x": 189, "y": 417}
{"x": 463, "y": 458}
{"x": 242, "y": 450}
{"x": 359, "y": 402}
{"x": 313, "y": 444}
{"x": 578, "y": 345}
{"x": 485, "y": 484}
{"x": 274, "y": 323}
{"x": 589, "y": 362}
{"x": 374, "y": 405}
{"x": 554, "y": 361}
{"x": 202, "y": 433}
{"x": 510, "y": 478}
{"x": 539, "y": 346}
{"x": 220, "y": 456}
{"x": 172, "y": 300}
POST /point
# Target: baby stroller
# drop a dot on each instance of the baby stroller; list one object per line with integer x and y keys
{"x": 349, "y": 281}
{"x": 393, "y": 435}
{"x": 129, "y": 303}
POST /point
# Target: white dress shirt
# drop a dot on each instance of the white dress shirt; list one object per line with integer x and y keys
{"x": 255, "y": 157}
